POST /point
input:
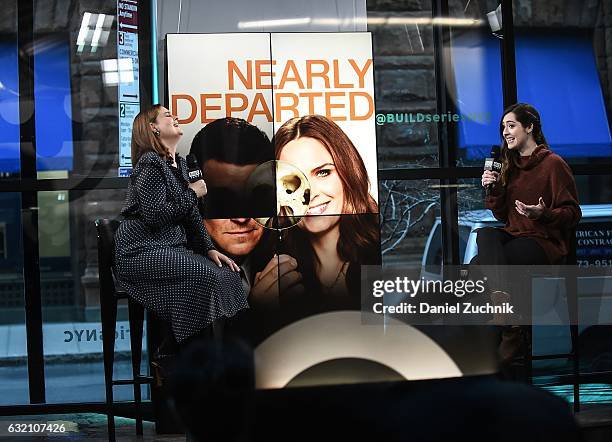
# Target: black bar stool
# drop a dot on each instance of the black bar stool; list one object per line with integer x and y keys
{"x": 571, "y": 293}
{"x": 110, "y": 294}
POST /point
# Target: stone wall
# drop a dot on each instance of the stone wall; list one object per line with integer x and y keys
{"x": 405, "y": 82}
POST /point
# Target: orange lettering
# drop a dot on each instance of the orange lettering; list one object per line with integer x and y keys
{"x": 337, "y": 83}
{"x": 229, "y": 109}
{"x": 329, "y": 106}
{"x": 361, "y": 72}
{"x": 259, "y": 98}
{"x": 291, "y": 107}
{"x": 311, "y": 96}
{"x": 192, "y": 102}
{"x": 310, "y": 74}
{"x": 206, "y": 107}
{"x": 352, "y": 106}
{"x": 259, "y": 73}
{"x": 290, "y": 66}
{"x": 232, "y": 69}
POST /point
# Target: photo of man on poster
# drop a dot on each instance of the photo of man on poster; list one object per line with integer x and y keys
{"x": 228, "y": 151}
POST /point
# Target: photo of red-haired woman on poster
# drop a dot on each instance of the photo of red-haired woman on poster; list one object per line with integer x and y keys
{"x": 340, "y": 230}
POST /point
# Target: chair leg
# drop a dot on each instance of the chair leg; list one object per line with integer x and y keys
{"x": 108, "y": 313}
{"x": 572, "y": 305}
{"x": 528, "y": 353}
{"x": 136, "y": 312}
{"x": 575, "y": 366}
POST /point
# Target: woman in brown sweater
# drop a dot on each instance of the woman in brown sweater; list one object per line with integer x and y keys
{"x": 534, "y": 195}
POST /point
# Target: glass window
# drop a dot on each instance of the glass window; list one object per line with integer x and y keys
{"x": 13, "y": 356}
{"x": 478, "y": 94}
{"x": 9, "y": 92}
{"x": 76, "y": 93}
{"x": 569, "y": 45}
{"x": 71, "y": 296}
{"x": 77, "y": 82}
{"x": 595, "y": 189}
{"x": 405, "y": 95}
{"x": 52, "y": 96}
{"x": 410, "y": 218}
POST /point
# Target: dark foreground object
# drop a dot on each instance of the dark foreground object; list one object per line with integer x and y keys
{"x": 474, "y": 409}
{"x": 214, "y": 395}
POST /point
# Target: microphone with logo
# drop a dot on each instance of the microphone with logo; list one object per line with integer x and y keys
{"x": 195, "y": 174}
{"x": 193, "y": 169}
{"x": 493, "y": 164}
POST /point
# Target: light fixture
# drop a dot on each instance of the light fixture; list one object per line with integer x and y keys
{"x": 371, "y": 21}
{"x": 274, "y": 23}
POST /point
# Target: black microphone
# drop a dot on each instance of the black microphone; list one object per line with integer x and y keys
{"x": 493, "y": 164}
{"x": 195, "y": 174}
{"x": 193, "y": 169}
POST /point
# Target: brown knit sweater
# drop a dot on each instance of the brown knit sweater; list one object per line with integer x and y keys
{"x": 542, "y": 174}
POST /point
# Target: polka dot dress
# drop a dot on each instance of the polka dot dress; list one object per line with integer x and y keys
{"x": 161, "y": 249}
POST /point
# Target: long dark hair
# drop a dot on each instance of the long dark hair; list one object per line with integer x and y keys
{"x": 359, "y": 231}
{"x": 143, "y": 138}
{"x": 527, "y": 115}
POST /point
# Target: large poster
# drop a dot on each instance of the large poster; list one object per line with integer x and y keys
{"x": 267, "y": 79}
{"x": 283, "y": 127}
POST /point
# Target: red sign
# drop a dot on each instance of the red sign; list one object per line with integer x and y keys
{"x": 127, "y": 16}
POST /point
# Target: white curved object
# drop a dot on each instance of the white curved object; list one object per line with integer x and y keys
{"x": 343, "y": 334}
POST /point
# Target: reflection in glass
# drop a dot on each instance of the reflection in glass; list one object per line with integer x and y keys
{"x": 405, "y": 84}
{"x": 13, "y": 356}
{"x": 9, "y": 95}
{"x": 410, "y": 218}
{"x": 570, "y": 45}
{"x": 76, "y": 112}
{"x": 70, "y": 296}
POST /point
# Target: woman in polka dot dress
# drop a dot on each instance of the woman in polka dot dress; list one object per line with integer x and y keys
{"x": 164, "y": 256}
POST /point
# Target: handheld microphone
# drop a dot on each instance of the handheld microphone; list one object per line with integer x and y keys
{"x": 195, "y": 174}
{"x": 193, "y": 169}
{"x": 493, "y": 164}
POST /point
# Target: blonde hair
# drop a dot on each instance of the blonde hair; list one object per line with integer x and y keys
{"x": 143, "y": 138}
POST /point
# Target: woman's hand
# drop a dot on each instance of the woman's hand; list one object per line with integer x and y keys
{"x": 219, "y": 258}
{"x": 199, "y": 187}
{"x": 530, "y": 211}
{"x": 489, "y": 177}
